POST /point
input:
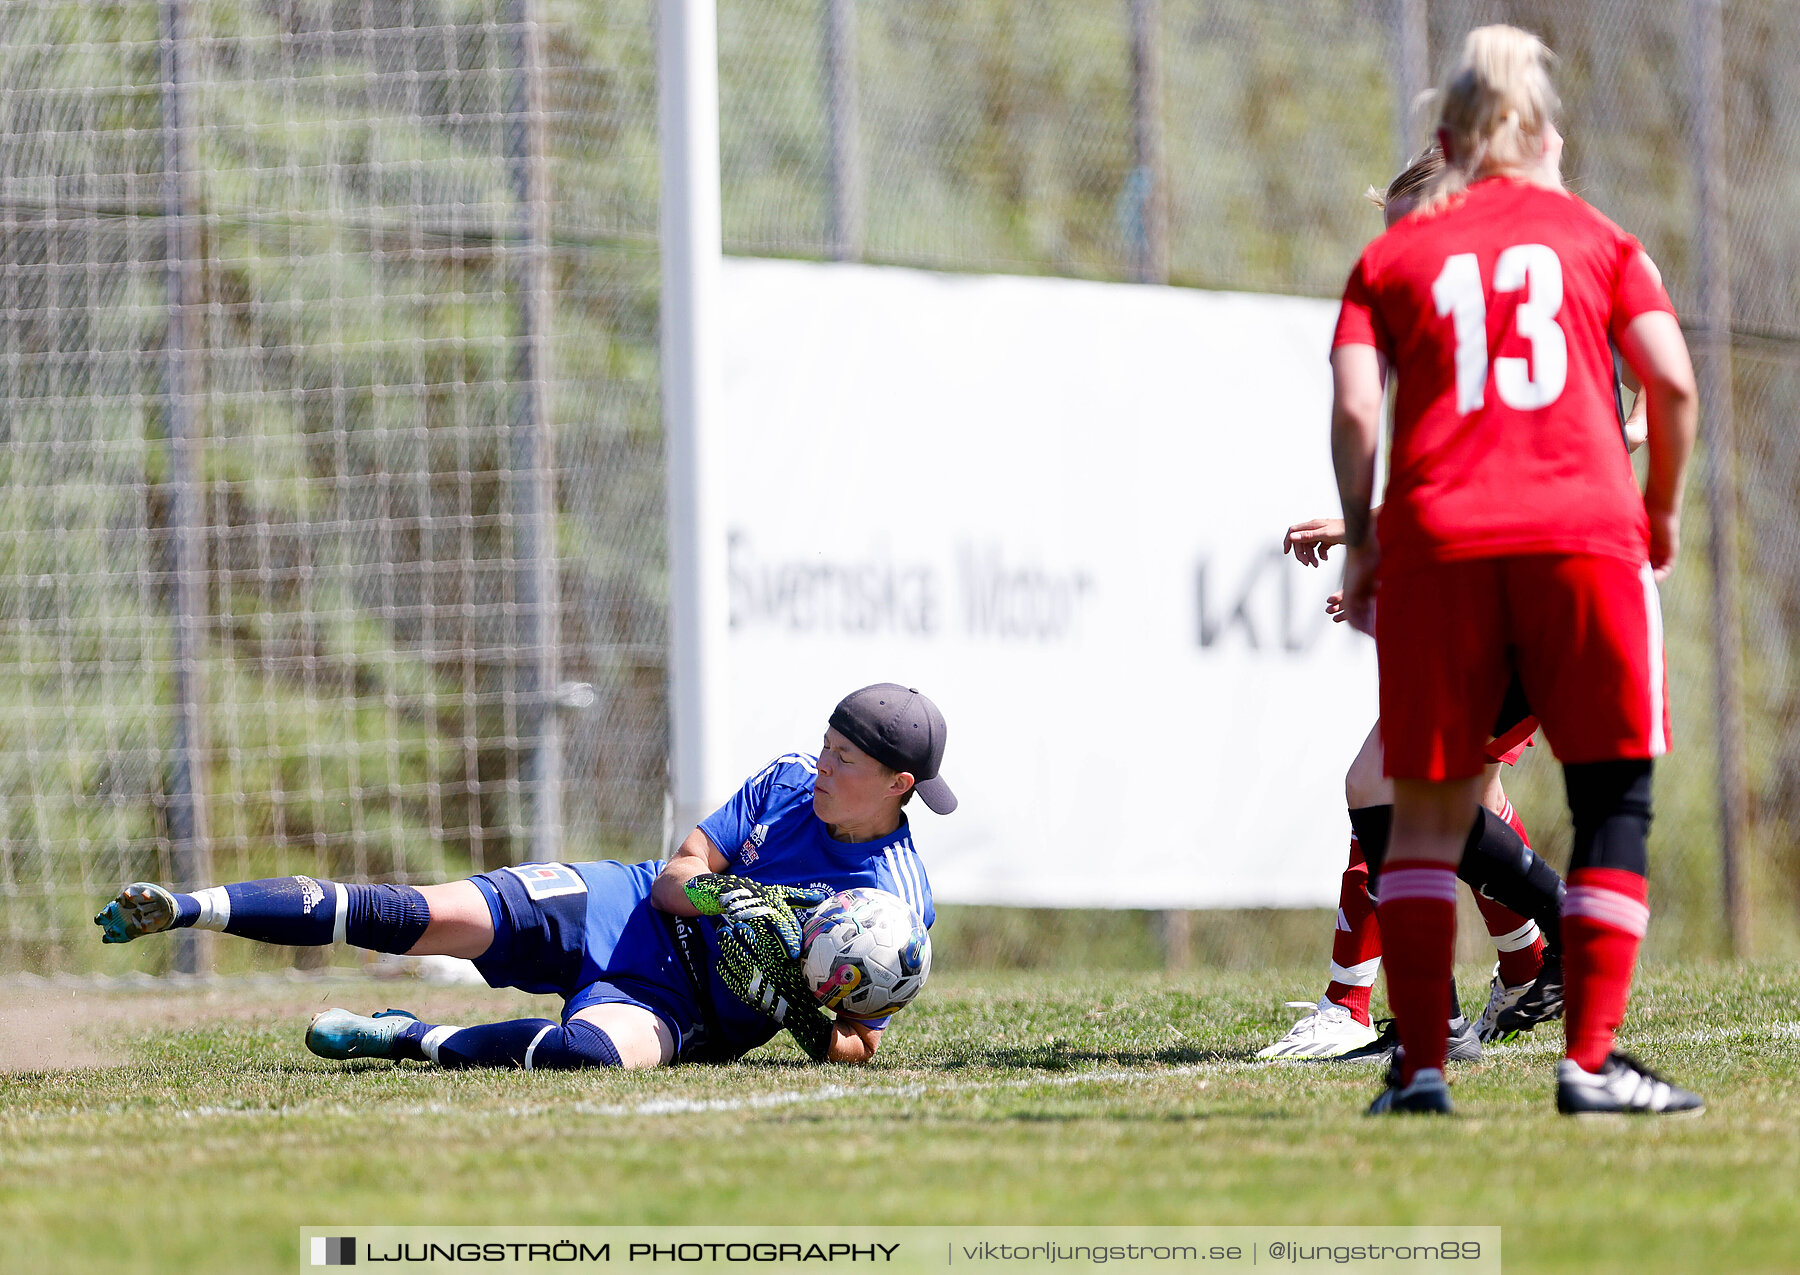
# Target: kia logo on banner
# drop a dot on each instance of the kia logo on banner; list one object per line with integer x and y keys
{"x": 1261, "y": 601}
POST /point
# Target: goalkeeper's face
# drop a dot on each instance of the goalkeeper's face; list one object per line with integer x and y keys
{"x": 856, "y": 792}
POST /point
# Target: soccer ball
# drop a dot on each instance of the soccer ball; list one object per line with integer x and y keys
{"x": 865, "y": 953}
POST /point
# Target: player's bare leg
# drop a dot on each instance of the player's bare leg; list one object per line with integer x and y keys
{"x": 461, "y": 923}
{"x": 1366, "y": 782}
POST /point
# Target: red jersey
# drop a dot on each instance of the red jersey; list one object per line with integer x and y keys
{"x": 1495, "y": 313}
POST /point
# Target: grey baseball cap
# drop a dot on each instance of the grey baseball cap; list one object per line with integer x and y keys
{"x": 901, "y": 729}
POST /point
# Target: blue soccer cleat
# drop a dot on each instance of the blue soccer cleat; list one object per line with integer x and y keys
{"x": 143, "y": 907}
{"x": 337, "y": 1033}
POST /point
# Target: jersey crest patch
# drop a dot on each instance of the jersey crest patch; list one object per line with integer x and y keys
{"x": 548, "y": 880}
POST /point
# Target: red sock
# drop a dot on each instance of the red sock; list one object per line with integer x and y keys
{"x": 1356, "y": 947}
{"x": 1511, "y": 815}
{"x": 1418, "y": 926}
{"x": 1604, "y": 916}
{"x": 1517, "y": 939}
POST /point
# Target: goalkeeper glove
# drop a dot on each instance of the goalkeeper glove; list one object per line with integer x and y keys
{"x": 764, "y": 912}
{"x": 779, "y": 992}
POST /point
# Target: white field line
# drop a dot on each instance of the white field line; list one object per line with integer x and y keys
{"x": 1549, "y": 1043}
{"x": 825, "y": 1094}
{"x": 1730, "y": 1035}
{"x": 834, "y": 1093}
{"x": 651, "y": 1107}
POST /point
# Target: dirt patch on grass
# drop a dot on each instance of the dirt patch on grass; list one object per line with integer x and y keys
{"x": 44, "y": 1031}
{"x": 60, "y": 1027}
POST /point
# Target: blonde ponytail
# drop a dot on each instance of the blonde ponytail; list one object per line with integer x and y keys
{"x": 1414, "y": 178}
{"x": 1496, "y": 104}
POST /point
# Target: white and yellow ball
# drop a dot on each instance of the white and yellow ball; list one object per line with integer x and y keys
{"x": 865, "y": 953}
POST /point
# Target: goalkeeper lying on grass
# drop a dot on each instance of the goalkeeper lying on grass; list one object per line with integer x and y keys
{"x": 645, "y": 980}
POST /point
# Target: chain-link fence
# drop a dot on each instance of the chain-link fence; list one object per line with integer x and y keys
{"x": 283, "y": 319}
{"x": 328, "y": 347}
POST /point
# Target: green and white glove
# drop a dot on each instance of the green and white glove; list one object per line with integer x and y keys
{"x": 763, "y": 912}
{"x": 778, "y": 991}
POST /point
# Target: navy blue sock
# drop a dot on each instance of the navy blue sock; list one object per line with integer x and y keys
{"x": 303, "y": 912}
{"x": 385, "y": 918}
{"x": 295, "y": 911}
{"x": 531, "y": 1043}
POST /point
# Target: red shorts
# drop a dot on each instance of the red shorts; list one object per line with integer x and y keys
{"x": 1583, "y": 632}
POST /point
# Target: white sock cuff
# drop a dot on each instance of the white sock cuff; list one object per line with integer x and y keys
{"x": 1521, "y": 938}
{"x": 215, "y": 909}
{"x": 1362, "y": 974}
{"x": 1435, "y": 884}
{"x": 531, "y": 1049}
{"x": 435, "y": 1038}
{"x": 1607, "y": 907}
{"x": 342, "y": 918}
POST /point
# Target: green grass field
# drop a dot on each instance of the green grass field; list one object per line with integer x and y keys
{"x": 1000, "y": 1098}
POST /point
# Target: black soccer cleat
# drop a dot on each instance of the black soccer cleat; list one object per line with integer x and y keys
{"x": 1622, "y": 1086}
{"x": 1427, "y": 1095}
{"x": 1463, "y": 1045}
{"x": 1541, "y": 1003}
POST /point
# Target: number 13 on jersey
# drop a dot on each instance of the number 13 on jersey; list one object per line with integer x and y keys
{"x": 1524, "y": 384}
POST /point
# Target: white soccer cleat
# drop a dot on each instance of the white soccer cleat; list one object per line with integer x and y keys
{"x": 1325, "y": 1032}
{"x": 1500, "y": 999}
{"x": 1622, "y": 1086}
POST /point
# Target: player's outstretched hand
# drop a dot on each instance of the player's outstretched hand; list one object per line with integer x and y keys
{"x": 776, "y": 989}
{"x": 1311, "y": 541}
{"x": 763, "y": 910}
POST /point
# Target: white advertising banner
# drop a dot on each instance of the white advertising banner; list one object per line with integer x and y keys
{"x": 1056, "y": 508}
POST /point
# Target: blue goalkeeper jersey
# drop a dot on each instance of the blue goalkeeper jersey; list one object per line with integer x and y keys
{"x": 767, "y": 832}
